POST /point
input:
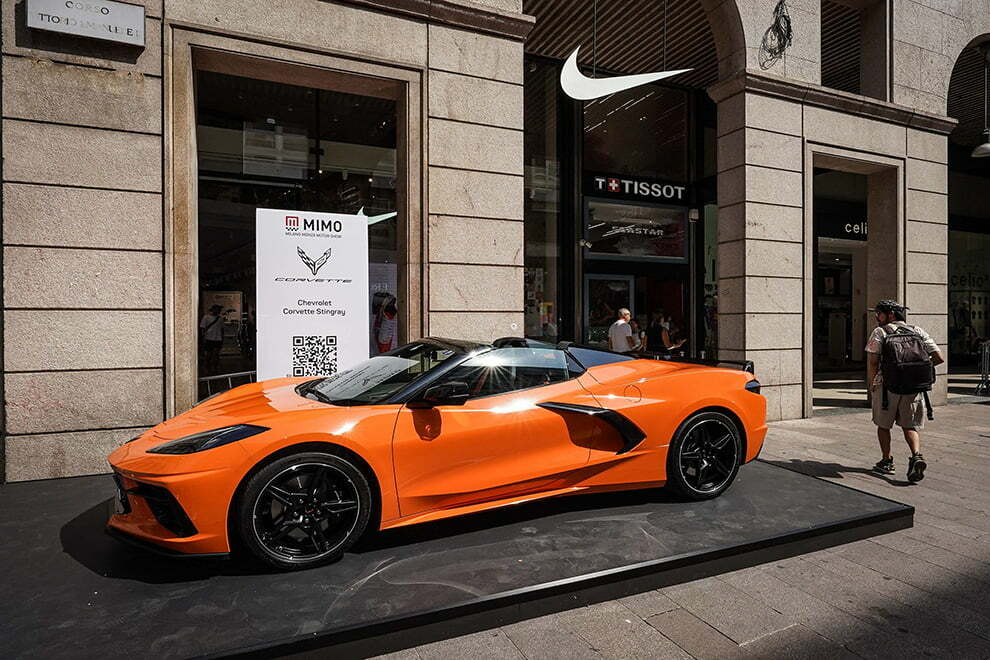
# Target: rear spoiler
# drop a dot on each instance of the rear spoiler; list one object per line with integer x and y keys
{"x": 742, "y": 365}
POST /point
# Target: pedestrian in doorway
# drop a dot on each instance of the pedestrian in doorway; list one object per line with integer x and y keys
{"x": 620, "y": 334}
{"x": 900, "y": 370}
{"x": 211, "y": 338}
{"x": 639, "y": 335}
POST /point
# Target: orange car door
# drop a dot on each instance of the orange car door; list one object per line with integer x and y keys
{"x": 498, "y": 444}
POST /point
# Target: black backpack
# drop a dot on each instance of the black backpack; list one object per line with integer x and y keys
{"x": 905, "y": 364}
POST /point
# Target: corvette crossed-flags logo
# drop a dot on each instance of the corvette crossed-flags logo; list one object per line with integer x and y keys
{"x": 314, "y": 266}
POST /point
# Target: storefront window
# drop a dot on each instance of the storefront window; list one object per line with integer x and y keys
{"x": 636, "y": 199}
{"x": 542, "y": 201}
{"x": 265, "y": 144}
{"x": 969, "y": 295}
{"x": 641, "y": 132}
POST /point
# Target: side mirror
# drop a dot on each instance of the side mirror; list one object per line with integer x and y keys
{"x": 447, "y": 394}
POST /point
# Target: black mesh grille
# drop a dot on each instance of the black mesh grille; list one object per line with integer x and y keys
{"x": 166, "y": 509}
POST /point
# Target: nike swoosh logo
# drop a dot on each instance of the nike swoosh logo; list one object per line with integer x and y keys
{"x": 579, "y": 86}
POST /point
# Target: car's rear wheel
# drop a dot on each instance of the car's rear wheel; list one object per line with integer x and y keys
{"x": 704, "y": 456}
{"x": 304, "y": 510}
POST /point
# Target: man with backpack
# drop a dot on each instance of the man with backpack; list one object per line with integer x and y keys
{"x": 900, "y": 371}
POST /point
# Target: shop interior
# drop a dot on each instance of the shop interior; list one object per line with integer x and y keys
{"x": 841, "y": 322}
{"x": 593, "y": 243}
{"x": 265, "y": 144}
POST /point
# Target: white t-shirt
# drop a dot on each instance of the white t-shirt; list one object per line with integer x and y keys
{"x": 875, "y": 343}
{"x": 618, "y": 334}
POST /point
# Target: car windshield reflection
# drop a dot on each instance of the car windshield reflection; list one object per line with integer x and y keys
{"x": 377, "y": 379}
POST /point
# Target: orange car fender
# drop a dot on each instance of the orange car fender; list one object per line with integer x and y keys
{"x": 752, "y": 428}
{"x": 366, "y": 435}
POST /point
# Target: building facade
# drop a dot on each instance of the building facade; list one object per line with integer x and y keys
{"x": 131, "y": 175}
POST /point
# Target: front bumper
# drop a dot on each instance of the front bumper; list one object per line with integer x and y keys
{"x": 150, "y": 546}
{"x": 178, "y": 503}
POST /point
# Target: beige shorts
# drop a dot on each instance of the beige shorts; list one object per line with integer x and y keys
{"x": 908, "y": 410}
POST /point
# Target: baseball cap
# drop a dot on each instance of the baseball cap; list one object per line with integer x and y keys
{"x": 888, "y": 306}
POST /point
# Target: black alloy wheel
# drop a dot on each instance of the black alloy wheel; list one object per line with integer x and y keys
{"x": 704, "y": 457}
{"x": 304, "y": 510}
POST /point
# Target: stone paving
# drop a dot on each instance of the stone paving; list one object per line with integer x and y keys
{"x": 924, "y": 591}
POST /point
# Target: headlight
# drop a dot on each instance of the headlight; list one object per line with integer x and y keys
{"x": 208, "y": 439}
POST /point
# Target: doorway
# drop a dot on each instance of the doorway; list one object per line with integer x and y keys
{"x": 839, "y": 317}
{"x": 635, "y": 256}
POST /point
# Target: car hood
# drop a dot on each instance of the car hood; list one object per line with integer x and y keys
{"x": 255, "y": 403}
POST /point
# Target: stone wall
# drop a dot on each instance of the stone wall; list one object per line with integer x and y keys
{"x": 82, "y": 245}
{"x": 761, "y": 243}
{"x": 928, "y": 36}
{"x": 475, "y": 198}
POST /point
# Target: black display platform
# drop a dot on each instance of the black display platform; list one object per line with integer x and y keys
{"x": 72, "y": 591}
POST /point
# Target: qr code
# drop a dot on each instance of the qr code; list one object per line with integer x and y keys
{"x": 314, "y": 355}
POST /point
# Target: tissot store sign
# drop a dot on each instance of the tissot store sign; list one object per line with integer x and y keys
{"x": 312, "y": 279}
{"x": 617, "y": 186}
{"x": 97, "y": 19}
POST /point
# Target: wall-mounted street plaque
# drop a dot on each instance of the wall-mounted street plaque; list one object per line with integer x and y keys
{"x": 96, "y": 19}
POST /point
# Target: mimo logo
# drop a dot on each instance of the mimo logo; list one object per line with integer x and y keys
{"x": 292, "y": 223}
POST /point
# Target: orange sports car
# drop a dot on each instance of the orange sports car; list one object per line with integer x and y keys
{"x": 296, "y": 469}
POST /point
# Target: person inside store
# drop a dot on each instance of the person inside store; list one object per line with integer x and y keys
{"x": 386, "y": 325}
{"x": 669, "y": 335}
{"x": 654, "y": 330}
{"x": 620, "y": 335}
{"x": 211, "y": 338}
{"x": 639, "y": 335}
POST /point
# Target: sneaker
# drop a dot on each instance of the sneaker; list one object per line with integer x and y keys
{"x": 885, "y": 466}
{"x": 916, "y": 468}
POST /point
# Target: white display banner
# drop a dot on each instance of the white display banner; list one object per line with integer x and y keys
{"x": 312, "y": 300}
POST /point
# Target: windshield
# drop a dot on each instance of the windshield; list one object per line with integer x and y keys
{"x": 377, "y": 379}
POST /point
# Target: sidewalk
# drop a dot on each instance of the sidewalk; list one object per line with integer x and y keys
{"x": 924, "y": 591}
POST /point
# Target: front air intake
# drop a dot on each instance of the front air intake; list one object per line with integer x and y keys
{"x": 165, "y": 508}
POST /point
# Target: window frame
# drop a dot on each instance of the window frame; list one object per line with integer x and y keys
{"x": 190, "y": 51}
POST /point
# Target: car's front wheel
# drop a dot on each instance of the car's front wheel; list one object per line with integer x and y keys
{"x": 704, "y": 456}
{"x": 304, "y": 510}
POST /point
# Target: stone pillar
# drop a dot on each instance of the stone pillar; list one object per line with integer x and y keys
{"x": 761, "y": 243}
{"x": 475, "y": 233}
{"x": 927, "y": 240}
{"x": 82, "y": 246}
{"x": 861, "y": 319}
{"x": 883, "y": 258}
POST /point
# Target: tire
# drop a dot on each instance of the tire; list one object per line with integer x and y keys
{"x": 704, "y": 456}
{"x": 304, "y": 510}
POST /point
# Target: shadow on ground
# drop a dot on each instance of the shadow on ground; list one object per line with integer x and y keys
{"x": 83, "y": 538}
{"x": 833, "y": 470}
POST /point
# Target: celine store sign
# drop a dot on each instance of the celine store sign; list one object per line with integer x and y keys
{"x": 96, "y": 19}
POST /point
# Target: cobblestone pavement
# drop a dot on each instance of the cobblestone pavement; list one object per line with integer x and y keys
{"x": 924, "y": 591}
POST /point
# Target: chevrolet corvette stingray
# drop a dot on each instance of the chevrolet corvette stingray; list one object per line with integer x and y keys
{"x": 295, "y": 470}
